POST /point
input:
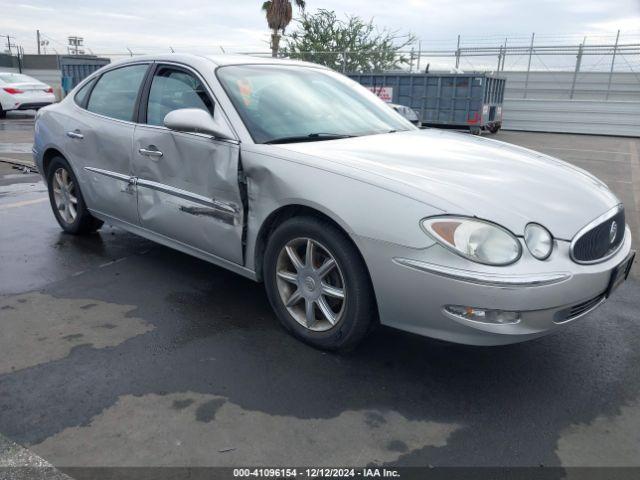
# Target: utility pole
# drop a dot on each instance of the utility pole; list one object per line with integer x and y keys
{"x": 38, "y": 40}
{"x": 74, "y": 45}
{"x": 458, "y": 53}
{"x": 9, "y": 44}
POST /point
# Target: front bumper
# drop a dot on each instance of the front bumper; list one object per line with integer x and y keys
{"x": 413, "y": 287}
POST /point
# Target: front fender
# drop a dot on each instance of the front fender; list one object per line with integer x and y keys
{"x": 361, "y": 209}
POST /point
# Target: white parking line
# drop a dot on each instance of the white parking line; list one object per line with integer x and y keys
{"x": 117, "y": 260}
{"x": 23, "y": 203}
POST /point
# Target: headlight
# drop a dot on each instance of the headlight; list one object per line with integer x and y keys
{"x": 539, "y": 241}
{"x": 477, "y": 240}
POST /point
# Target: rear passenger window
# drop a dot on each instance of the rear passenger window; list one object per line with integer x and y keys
{"x": 172, "y": 89}
{"x": 116, "y": 91}
{"x": 81, "y": 96}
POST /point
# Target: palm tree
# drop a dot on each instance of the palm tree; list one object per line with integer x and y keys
{"x": 279, "y": 14}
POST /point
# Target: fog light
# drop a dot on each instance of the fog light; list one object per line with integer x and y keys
{"x": 483, "y": 315}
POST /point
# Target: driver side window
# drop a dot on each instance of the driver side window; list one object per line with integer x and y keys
{"x": 173, "y": 88}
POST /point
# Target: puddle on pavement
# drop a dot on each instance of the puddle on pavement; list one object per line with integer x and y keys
{"x": 607, "y": 441}
{"x": 207, "y": 430}
{"x": 39, "y": 328}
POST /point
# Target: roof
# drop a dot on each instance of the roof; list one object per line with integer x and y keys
{"x": 219, "y": 60}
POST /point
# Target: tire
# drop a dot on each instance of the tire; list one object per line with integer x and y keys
{"x": 83, "y": 222}
{"x": 3, "y": 113}
{"x": 354, "y": 314}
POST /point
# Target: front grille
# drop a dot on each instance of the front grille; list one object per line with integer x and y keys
{"x": 595, "y": 243}
{"x": 578, "y": 309}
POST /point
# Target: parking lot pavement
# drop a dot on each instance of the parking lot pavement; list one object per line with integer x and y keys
{"x": 16, "y": 137}
{"x": 116, "y": 351}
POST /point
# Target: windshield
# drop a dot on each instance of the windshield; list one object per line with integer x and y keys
{"x": 284, "y": 103}
{"x": 16, "y": 78}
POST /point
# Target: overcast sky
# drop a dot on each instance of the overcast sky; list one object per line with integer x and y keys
{"x": 110, "y": 26}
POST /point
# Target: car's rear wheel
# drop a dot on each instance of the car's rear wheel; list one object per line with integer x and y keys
{"x": 3, "y": 113}
{"x": 318, "y": 285}
{"x": 66, "y": 199}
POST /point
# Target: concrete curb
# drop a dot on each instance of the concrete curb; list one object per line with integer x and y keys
{"x": 20, "y": 163}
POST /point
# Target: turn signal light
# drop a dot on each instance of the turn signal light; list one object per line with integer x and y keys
{"x": 48, "y": 90}
{"x": 12, "y": 91}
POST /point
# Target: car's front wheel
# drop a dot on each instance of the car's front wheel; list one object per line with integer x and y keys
{"x": 318, "y": 284}
{"x": 66, "y": 199}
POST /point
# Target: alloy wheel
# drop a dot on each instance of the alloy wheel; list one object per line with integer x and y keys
{"x": 311, "y": 284}
{"x": 64, "y": 194}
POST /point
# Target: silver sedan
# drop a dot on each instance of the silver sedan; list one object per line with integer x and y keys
{"x": 291, "y": 174}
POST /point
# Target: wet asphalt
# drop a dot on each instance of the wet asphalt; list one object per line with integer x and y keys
{"x": 116, "y": 351}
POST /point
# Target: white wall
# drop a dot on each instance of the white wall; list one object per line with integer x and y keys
{"x": 549, "y": 108}
{"x": 578, "y": 116}
{"x": 589, "y": 85}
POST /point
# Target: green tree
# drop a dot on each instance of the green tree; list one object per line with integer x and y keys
{"x": 279, "y": 14}
{"x": 351, "y": 45}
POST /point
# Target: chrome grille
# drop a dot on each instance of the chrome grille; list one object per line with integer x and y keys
{"x": 594, "y": 242}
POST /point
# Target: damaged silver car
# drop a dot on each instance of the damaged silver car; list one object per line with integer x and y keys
{"x": 291, "y": 174}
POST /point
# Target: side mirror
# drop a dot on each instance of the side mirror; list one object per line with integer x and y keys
{"x": 195, "y": 120}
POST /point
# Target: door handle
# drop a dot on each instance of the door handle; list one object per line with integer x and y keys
{"x": 75, "y": 134}
{"x": 150, "y": 153}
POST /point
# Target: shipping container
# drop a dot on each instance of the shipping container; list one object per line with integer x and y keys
{"x": 76, "y": 68}
{"x": 467, "y": 100}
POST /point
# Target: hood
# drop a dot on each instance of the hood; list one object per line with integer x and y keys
{"x": 461, "y": 174}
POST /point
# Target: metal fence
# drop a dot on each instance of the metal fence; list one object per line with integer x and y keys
{"x": 540, "y": 70}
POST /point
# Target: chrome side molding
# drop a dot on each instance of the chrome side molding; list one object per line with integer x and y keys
{"x": 192, "y": 197}
{"x": 109, "y": 173}
{"x": 491, "y": 279}
{"x": 226, "y": 211}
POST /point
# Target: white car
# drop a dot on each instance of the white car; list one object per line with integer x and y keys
{"x": 407, "y": 112}
{"x": 22, "y": 92}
